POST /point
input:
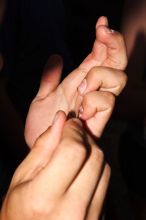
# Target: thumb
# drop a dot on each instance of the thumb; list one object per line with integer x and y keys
{"x": 51, "y": 75}
{"x": 42, "y": 151}
{"x": 50, "y": 139}
{"x": 102, "y": 21}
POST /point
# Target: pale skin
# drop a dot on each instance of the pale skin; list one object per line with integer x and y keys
{"x": 79, "y": 189}
{"x": 101, "y": 77}
{"x": 63, "y": 177}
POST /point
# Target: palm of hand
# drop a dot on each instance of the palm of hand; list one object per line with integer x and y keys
{"x": 43, "y": 109}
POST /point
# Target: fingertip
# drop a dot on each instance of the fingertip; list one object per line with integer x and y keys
{"x": 104, "y": 31}
{"x": 58, "y": 124}
{"x": 59, "y": 118}
{"x": 102, "y": 21}
{"x": 53, "y": 61}
{"x": 82, "y": 114}
{"x": 54, "y": 132}
{"x": 86, "y": 112}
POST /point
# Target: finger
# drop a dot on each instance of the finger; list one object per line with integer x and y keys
{"x": 108, "y": 50}
{"x": 96, "y": 205}
{"x": 42, "y": 151}
{"x": 51, "y": 76}
{"x": 84, "y": 185}
{"x": 73, "y": 80}
{"x": 96, "y": 109}
{"x": 103, "y": 79}
{"x": 116, "y": 49}
{"x": 65, "y": 163}
{"x": 102, "y": 21}
{"x": 71, "y": 83}
{"x": 99, "y": 50}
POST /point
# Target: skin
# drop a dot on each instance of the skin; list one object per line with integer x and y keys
{"x": 79, "y": 182}
{"x": 70, "y": 198}
{"x": 94, "y": 84}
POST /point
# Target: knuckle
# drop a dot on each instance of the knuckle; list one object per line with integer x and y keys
{"x": 80, "y": 151}
{"x": 94, "y": 70}
{"x": 124, "y": 80}
{"x": 93, "y": 73}
{"x": 88, "y": 100}
{"x": 98, "y": 154}
{"x": 110, "y": 99}
{"x": 74, "y": 148}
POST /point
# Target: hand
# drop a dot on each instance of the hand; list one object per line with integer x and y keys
{"x": 108, "y": 50}
{"x": 63, "y": 177}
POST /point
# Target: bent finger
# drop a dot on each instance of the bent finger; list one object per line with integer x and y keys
{"x": 96, "y": 109}
{"x": 103, "y": 79}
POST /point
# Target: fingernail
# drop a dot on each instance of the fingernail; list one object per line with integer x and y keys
{"x": 111, "y": 30}
{"x": 82, "y": 87}
{"x": 80, "y": 116}
{"x": 108, "y": 30}
{"x": 81, "y": 109}
{"x": 80, "y": 112}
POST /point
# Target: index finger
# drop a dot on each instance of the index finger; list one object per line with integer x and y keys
{"x": 65, "y": 164}
{"x": 103, "y": 79}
